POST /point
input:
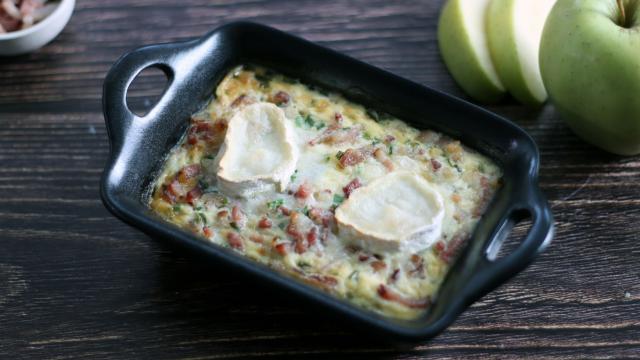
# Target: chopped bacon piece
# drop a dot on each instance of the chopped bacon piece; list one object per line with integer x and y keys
{"x": 387, "y": 294}
{"x": 256, "y": 239}
{"x": 293, "y": 231}
{"x": 389, "y": 139}
{"x": 456, "y": 198}
{"x": 207, "y": 231}
{"x": 176, "y": 188}
{"x": 284, "y": 210}
{"x": 188, "y": 172}
{"x": 382, "y": 157}
{"x": 206, "y": 130}
{"x": 194, "y": 194}
{"x": 448, "y": 252}
{"x": 435, "y": 165}
{"x": 378, "y": 265}
{"x": 321, "y": 216}
{"x": 237, "y": 216}
{"x": 281, "y": 248}
{"x": 336, "y": 135}
{"x": 394, "y": 275}
{"x": 304, "y": 190}
{"x": 351, "y": 186}
{"x": 168, "y": 195}
{"x": 324, "y": 280}
{"x": 418, "y": 264}
{"x": 264, "y": 223}
{"x": 363, "y": 257}
{"x": 281, "y": 98}
{"x": 338, "y": 118}
{"x": 234, "y": 240}
{"x": 351, "y": 157}
{"x": 242, "y": 100}
{"x": 312, "y": 236}
{"x": 222, "y": 214}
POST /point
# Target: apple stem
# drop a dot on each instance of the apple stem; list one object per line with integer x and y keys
{"x": 623, "y": 16}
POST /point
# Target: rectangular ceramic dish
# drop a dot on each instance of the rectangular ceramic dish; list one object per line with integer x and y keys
{"x": 139, "y": 146}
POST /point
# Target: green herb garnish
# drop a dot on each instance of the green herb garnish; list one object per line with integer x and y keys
{"x": 203, "y": 219}
{"x": 234, "y": 225}
{"x": 453, "y": 164}
{"x": 275, "y": 204}
{"x": 203, "y": 184}
{"x": 282, "y": 225}
{"x": 339, "y": 154}
{"x": 303, "y": 264}
{"x": 294, "y": 175}
{"x": 390, "y": 149}
{"x": 337, "y": 199}
{"x": 354, "y": 275}
{"x": 176, "y": 208}
{"x": 263, "y": 79}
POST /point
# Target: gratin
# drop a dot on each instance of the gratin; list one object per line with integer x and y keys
{"x": 345, "y": 198}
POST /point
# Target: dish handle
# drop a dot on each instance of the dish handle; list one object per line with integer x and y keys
{"x": 114, "y": 101}
{"x": 493, "y": 270}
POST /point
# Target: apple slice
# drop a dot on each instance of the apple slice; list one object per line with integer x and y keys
{"x": 514, "y": 29}
{"x": 464, "y": 48}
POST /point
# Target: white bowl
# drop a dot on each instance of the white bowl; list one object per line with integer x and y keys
{"x": 40, "y": 34}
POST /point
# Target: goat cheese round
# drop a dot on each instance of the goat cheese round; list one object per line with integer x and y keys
{"x": 258, "y": 153}
{"x": 400, "y": 211}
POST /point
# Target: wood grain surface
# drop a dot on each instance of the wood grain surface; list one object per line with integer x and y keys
{"x": 76, "y": 283}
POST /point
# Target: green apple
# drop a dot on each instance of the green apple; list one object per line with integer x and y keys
{"x": 590, "y": 62}
{"x": 514, "y": 29}
{"x": 463, "y": 46}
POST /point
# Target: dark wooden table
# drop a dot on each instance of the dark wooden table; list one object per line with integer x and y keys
{"x": 77, "y": 283}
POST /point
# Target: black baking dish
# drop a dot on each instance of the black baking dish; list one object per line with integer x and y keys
{"x": 194, "y": 68}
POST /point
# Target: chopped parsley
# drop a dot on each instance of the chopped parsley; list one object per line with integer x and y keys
{"x": 337, "y": 199}
{"x": 309, "y": 122}
{"x": 203, "y": 184}
{"x": 176, "y": 208}
{"x": 390, "y": 149}
{"x": 354, "y": 275}
{"x": 339, "y": 154}
{"x": 203, "y": 219}
{"x": 282, "y": 225}
{"x": 305, "y": 210}
{"x": 303, "y": 264}
{"x": 328, "y": 158}
{"x": 453, "y": 164}
{"x": 209, "y": 156}
{"x": 234, "y": 225}
{"x": 225, "y": 201}
{"x": 275, "y": 204}
{"x": 294, "y": 175}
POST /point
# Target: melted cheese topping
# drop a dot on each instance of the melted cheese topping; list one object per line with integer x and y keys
{"x": 258, "y": 150}
{"x": 399, "y": 211}
{"x": 373, "y": 211}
